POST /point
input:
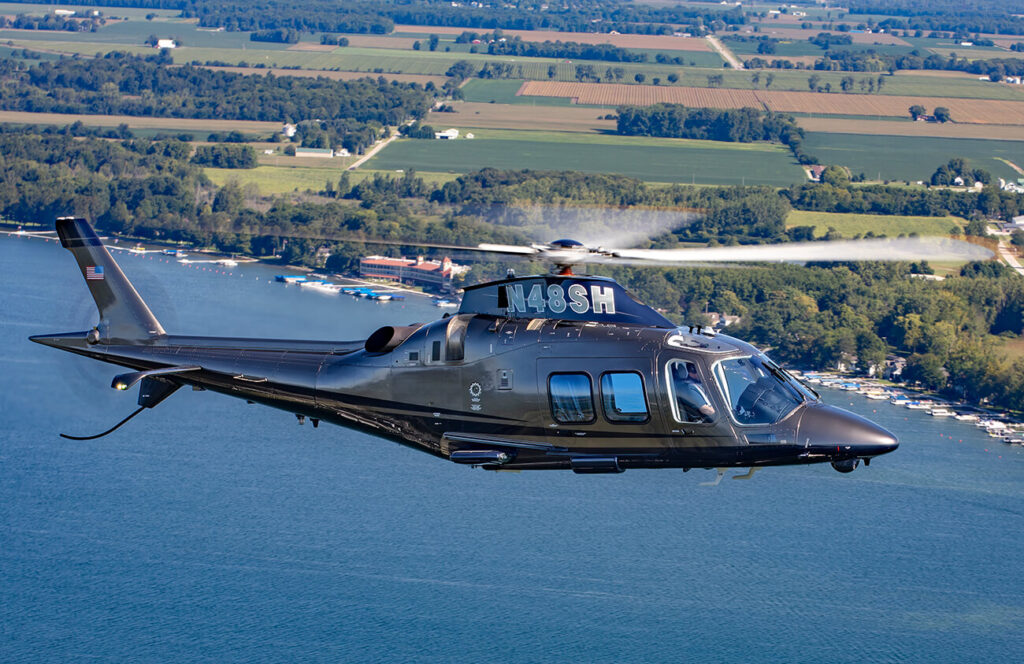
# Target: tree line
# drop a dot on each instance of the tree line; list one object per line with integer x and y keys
{"x": 123, "y": 84}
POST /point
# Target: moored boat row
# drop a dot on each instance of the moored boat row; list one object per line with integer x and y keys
{"x": 997, "y": 425}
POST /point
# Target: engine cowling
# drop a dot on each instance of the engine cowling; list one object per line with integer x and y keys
{"x": 389, "y": 337}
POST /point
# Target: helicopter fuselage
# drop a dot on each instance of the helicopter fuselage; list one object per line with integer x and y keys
{"x": 541, "y": 372}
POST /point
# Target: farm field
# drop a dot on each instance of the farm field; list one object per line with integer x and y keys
{"x": 976, "y": 111}
{"x": 235, "y": 48}
{"x": 521, "y": 116}
{"x": 850, "y": 225}
{"x": 909, "y": 157}
{"x": 505, "y": 91}
{"x": 906, "y": 127}
{"x": 799, "y": 34}
{"x": 168, "y": 124}
{"x": 274, "y": 180}
{"x": 39, "y": 9}
{"x": 649, "y": 159}
{"x": 657, "y": 42}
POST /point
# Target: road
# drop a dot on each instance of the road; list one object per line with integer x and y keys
{"x": 374, "y": 150}
{"x": 723, "y": 51}
{"x": 1007, "y": 255}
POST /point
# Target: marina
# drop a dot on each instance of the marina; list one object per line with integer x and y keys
{"x": 995, "y": 423}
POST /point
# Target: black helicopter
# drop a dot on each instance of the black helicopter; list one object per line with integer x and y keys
{"x": 551, "y": 371}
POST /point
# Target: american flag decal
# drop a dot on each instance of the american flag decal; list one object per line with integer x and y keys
{"x": 94, "y": 272}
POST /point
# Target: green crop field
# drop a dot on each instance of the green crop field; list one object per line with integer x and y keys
{"x": 850, "y": 225}
{"x": 650, "y": 159}
{"x": 503, "y": 91}
{"x": 789, "y": 47}
{"x": 910, "y": 157}
{"x": 13, "y": 8}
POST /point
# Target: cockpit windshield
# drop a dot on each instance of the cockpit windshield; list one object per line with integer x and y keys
{"x": 757, "y": 390}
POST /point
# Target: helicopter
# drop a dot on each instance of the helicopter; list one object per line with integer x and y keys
{"x": 541, "y": 372}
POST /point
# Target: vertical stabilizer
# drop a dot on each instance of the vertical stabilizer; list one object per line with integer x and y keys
{"x": 123, "y": 314}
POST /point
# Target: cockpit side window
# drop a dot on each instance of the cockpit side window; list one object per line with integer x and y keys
{"x": 690, "y": 400}
{"x": 757, "y": 392}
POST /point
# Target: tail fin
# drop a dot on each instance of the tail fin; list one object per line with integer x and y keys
{"x": 123, "y": 314}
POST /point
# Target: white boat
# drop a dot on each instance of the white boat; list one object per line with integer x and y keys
{"x": 918, "y": 405}
{"x": 992, "y": 425}
{"x": 445, "y": 304}
{"x": 228, "y": 262}
{"x": 966, "y": 417}
{"x": 940, "y": 412}
{"x": 877, "y": 396}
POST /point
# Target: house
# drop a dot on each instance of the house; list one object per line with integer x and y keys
{"x": 63, "y": 12}
{"x": 894, "y": 366}
{"x": 342, "y": 152}
{"x": 447, "y": 134}
{"x": 814, "y": 172}
{"x": 166, "y": 43}
{"x": 288, "y": 130}
{"x": 321, "y": 153}
{"x": 966, "y": 43}
{"x": 436, "y": 274}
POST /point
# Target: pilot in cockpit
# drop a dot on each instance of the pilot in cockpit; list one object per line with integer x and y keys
{"x": 690, "y": 393}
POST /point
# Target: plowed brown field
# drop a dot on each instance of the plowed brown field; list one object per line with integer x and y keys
{"x": 661, "y": 42}
{"x": 981, "y": 111}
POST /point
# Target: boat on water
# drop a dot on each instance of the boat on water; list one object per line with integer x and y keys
{"x": 445, "y": 304}
{"x": 940, "y": 412}
{"x": 176, "y": 253}
{"x": 991, "y": 425}
{"x": 918, "y": 405}
{"x": 876, "y": 396}
{"x": 290, "y": 278}
{"x": 966, "y": 417}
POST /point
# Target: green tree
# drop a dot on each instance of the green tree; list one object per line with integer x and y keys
{"x": 941, "y": 114}
{"x": 925, "y": 369}
{"x": 837, "y": 176}
{"x": 640, "y": 78}
{"x": 917, "y": 111}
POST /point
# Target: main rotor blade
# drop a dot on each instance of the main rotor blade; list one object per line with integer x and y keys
{"x": 503, "y": 249}
{"x": 881, "y": 249}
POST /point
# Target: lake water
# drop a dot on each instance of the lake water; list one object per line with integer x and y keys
{"x": 210, "y": 530}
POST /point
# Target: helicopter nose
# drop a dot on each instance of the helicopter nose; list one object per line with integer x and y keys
{"x": 824, "y": 426}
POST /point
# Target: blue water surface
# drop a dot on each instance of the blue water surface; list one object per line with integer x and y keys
{"x": 214, "y": 531}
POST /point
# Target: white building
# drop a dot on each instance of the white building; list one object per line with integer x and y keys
{"x": 448, "y": 134}
{"x": 288, "y": 130}
{"x": 166, "y": 43}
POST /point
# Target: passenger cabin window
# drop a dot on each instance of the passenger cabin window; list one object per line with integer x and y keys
{"x": 690, "y": 401}
{"x": 572, "y": 399}
{"x": 435, "y": 352}
{"x": 622, "y": 395}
